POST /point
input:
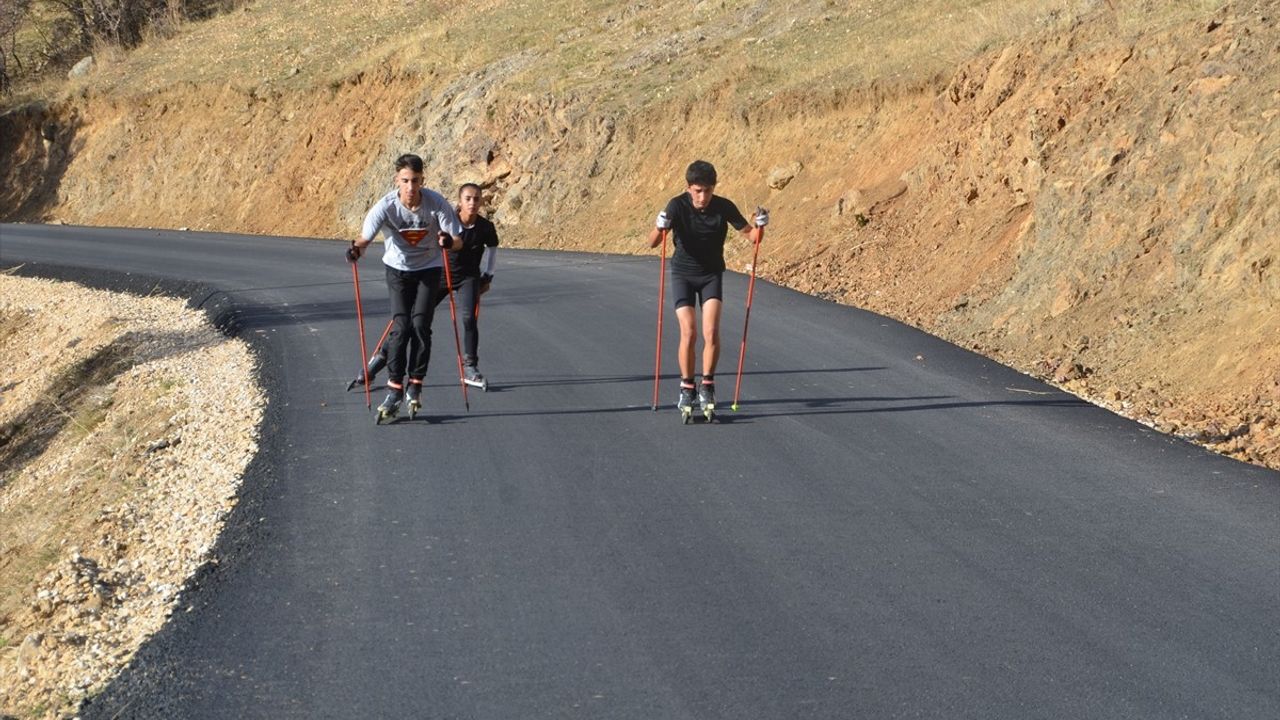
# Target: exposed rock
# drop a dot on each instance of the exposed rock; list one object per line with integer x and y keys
{"x": 81, "y": 68}
{"x": 782, "y": 175}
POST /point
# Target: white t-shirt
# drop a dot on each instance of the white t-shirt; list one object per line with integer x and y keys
{"x": 411, "y": 235}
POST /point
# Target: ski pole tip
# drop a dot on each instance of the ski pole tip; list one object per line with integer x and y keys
{"x": 734, "y": 407}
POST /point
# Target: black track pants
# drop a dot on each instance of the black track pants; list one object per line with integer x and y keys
{"x": 467, "y": 291}
{"x": 413, "y": 299}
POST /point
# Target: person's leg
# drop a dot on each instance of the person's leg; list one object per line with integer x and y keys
{"x": 711, "y": 307}
{"x": 468, "y": 288}
{"x": 376, "y": 363}
{"x": 379, "y": 359}
{"x": 428, "y": 285}
{"x": 402, "y": 292}
{"x": 687, "y": 318}
{"x": 684, "y": 297}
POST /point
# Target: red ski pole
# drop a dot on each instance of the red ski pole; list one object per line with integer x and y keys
{"x": 364, "y": 356}
{"x": 662, "y": 290}
{"x": 453, "y": 317}
{"x": 385, "y": 333}
{"x": 751, "y": 289}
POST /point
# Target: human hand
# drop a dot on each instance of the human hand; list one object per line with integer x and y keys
{"x": 762, "y": 217}
{"x": 446, "y": 240}
{"x": 663, "y": 222}
{"x": 354, "y": 252}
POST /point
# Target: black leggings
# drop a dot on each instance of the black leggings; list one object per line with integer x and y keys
{"x": 413, "y": 298}
{"x": 467, "y": 292}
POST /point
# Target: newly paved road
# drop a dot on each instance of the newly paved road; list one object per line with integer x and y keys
{"x": 873, "y": 535}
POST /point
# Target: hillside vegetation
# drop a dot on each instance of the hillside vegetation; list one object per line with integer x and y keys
{"x": 1086, "y": 190}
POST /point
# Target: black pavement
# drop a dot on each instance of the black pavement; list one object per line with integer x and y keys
{"x": 890, "y": 526}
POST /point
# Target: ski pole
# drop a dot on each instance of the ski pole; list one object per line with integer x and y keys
{"x": 453, "y": 317}
{"x": 751, "y": 289}
{"x": 385, "y": 333}
{"x": 662, "y": 290}
{"x": 364, "y": 356}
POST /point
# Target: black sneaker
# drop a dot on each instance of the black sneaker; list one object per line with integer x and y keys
{"x": 686, "y": 397}
{"x": 707, "y": 394}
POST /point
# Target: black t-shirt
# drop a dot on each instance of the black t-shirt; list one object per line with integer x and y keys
{"x": 466, "y": 262}
{"x": 699, "y": 234}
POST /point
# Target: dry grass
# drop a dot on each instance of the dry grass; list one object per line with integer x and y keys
{"x": 619, "y": 52}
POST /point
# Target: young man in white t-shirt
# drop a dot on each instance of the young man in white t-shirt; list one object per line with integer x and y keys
{"x": 415, "y": 223}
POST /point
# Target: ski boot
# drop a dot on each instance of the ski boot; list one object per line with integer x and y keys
{"x": 414, "y": 394}
{"x": 472, "y": 377}
{"x": 707, "y": 399}
{"x": 686, "y": 403}
{"x": 376, "y": 363}
{"x": 390, "y": 407}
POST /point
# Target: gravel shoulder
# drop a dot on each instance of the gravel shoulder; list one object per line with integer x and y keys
{"x": 126, "y": 424}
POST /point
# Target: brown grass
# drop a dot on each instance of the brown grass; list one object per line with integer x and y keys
{"x": 619, "y": 52}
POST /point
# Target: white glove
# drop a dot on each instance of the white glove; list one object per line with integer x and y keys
{"x": 663, "y": 222}
{"x": 762, "y": 217}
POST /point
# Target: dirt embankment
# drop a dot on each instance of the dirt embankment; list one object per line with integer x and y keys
{"x": 1094, "y": 209}
{"x": 126, "y": 424}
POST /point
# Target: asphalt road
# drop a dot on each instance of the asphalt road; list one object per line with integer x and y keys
{"x": 890, "y": 526}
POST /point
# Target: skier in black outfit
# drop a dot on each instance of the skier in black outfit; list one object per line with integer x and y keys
{"x": 699, "y": 220}
{"x": 471, "y": 266}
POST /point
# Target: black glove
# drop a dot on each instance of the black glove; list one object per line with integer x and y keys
{"x": 485, "y": 282}
{"x": 353, "y": 253}
{"x": 446, "y": 240}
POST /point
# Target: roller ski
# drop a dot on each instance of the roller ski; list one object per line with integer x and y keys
{"x": 472, "y": 377}
{"x": 414, "y": 395}
{"x": 707, "y": 400}
{"x": 390, "y": 407}
{"x": 686, "y": 403}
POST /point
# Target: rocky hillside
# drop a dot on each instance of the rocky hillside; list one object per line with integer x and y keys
{"x": 1085, "y": 191}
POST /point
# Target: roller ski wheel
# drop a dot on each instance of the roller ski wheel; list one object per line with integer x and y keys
{"x": 707, "y": 400}
{"x": 415, "y": 401}
{"x": 390, "y": 408}
{"x": 686, "y": 404}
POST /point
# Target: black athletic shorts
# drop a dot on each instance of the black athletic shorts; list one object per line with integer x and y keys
{"x": 691, "y": 290}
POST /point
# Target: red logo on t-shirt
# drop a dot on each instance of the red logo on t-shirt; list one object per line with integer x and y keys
{"x": 413, "y": 237}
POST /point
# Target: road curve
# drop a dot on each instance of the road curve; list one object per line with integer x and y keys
{"x": 889, "y": 527}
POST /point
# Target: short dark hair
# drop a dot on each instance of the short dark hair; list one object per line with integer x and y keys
{"x": 466, "y": 185}
{"x": 409, "y": 160}
{"x": 700, "y": 172}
